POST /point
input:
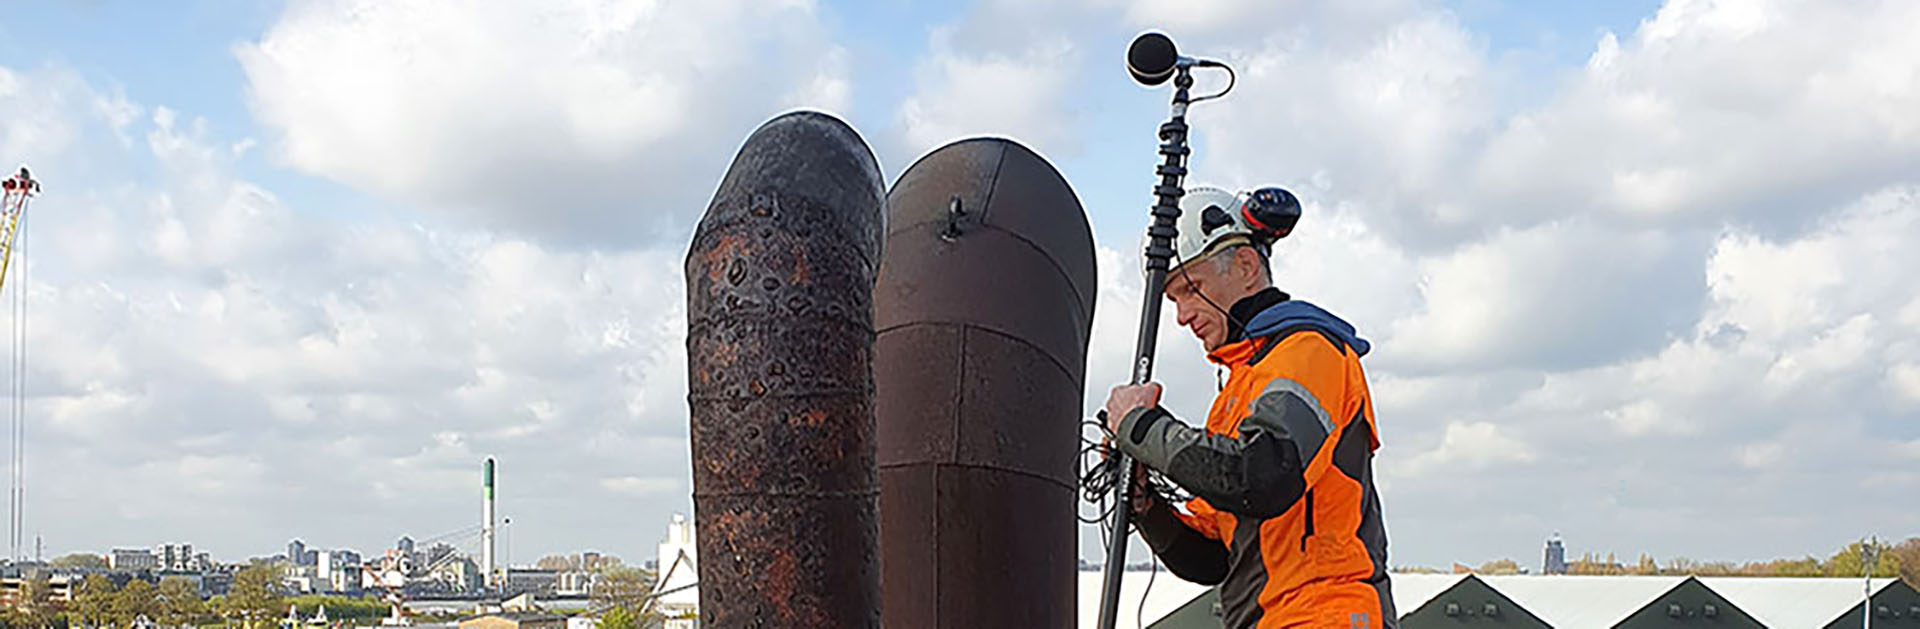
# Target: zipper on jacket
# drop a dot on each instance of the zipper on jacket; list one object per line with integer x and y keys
{"x": 1309, "y": 533}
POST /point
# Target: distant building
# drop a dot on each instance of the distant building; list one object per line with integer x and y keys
{"x": 515, "y": 620}
{"x": 523, "y": 581}
{"x": 132, "y": 559}
{"x": 297, "y": 553}
{"x": 458, "y": 574}
{"x": 59, "y": 589}
{"x": 346, "y": 578}
{"x": 322, "y": 575}
{"x": 1556, "y": 559}
{"x": 575, "y": 583}
{"x": 437, "y": 553}
{"x": 216, "y": 583}
{"x": 676, "y": 559}
{"x": 307, "y": 579}
{"x": 176, "y": 558}
{"x": 405, "y": 545}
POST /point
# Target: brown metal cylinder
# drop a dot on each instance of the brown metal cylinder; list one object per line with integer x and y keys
{"x": 983, "y": 307}
{"x": 779, "y": 359}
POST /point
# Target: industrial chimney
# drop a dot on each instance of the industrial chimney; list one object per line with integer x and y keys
{"x": 487, "y": 528}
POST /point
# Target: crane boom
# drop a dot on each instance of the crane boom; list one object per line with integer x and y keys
{"x": 19, "y": 188}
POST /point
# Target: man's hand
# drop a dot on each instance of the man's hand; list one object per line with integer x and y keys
{"x": 1125, "y": 398}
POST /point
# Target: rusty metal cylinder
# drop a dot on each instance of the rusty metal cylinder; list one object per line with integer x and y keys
{"x": 983, "y": 307}
{"x": 780, "y": 382}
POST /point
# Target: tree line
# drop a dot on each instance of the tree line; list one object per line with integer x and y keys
{"x": 1894, "y": 560}
{"x": 621, "y": 596}
{"x": 100, "y": 602}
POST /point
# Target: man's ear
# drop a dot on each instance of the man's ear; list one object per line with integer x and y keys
{"x": 1247, "y": 272}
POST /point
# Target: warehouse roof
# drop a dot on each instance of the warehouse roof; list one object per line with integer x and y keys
{"x": 1410, "y": 591}
{"x": 1790, "y": 603}
{"x": 1582, "y": 601}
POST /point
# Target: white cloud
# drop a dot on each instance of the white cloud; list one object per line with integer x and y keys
{"x": 1904, "y": 379}
{"x": 1911, "y": 448}
{"x": 1645, "y": 417}
{"x": 236, "y": 364}
{"x": 1016, "y": 95}
{"x": 1466, "y": 444}
{"x": 1761, "y": 455}
{"x": 1009, "y": 69}
{"x": 1733, "y": 109}
{"x": 1378, "y": 114}
{"x": 1535, "y": 297}
{"x": 581, "y": 121}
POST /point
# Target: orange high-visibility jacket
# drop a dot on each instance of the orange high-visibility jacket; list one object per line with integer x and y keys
{"x": 1285, "y": 519}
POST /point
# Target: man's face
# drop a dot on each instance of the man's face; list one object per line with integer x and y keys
{"x": 1190, "y": 289}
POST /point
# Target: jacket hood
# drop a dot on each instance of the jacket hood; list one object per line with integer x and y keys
{"x": 1297, "y": 313}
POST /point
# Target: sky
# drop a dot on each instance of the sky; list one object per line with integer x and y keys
{"x": 1637, "y": 273}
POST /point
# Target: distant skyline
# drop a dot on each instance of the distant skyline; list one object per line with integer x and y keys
{"x": 1638, "y": 272}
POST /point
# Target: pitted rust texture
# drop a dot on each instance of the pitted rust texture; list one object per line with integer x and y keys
{"x": 983, "y": 306}
{"x": 779, "y": 359}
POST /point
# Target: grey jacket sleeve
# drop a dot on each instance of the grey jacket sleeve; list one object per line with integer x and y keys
{"x": 1186, "y": 552}
{"x": 1261, "y": 474}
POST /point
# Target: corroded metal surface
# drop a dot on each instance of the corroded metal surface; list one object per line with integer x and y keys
{"x": 779, "y": 358}
{"x": 983, "y": 306}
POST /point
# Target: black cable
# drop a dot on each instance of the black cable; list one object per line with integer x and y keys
{"x": 1140, "y": 615}
{"x": 1099, "y": 471}
{"x": 1231, "y": 79}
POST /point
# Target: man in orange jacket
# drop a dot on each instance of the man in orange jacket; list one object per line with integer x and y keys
{"x": 1285, "y": 518}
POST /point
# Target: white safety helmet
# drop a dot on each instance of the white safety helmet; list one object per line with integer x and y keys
{"x": 1210, "y": 222}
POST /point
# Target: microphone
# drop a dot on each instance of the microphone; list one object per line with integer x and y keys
{"x": 1152, "y": 59}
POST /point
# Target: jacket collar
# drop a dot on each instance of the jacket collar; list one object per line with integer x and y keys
{"x": 1238, "y": 347}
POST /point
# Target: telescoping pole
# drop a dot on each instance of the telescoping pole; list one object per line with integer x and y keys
{"x": 1150, "y": 58}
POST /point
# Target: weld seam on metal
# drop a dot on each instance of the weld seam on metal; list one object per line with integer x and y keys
{"x": 975, "y": 326}
{"x": 1079, "y": 303}
{"x": 1069, "y": 486}
{"x": 787, "y": 494}
{"x": 959, "y": 392}
{"x": 770, "y": 394}
{"x": 861, "y": 326}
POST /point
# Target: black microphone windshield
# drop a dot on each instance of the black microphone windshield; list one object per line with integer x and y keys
{"x": 1151, "y": 58}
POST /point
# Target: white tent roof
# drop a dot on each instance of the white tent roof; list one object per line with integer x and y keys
{"x": 1578, "y": 601}
{"x": 1410, "y": 591}
{"x": 1793, "y": 603}
{"x": 1167, "y": 594}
